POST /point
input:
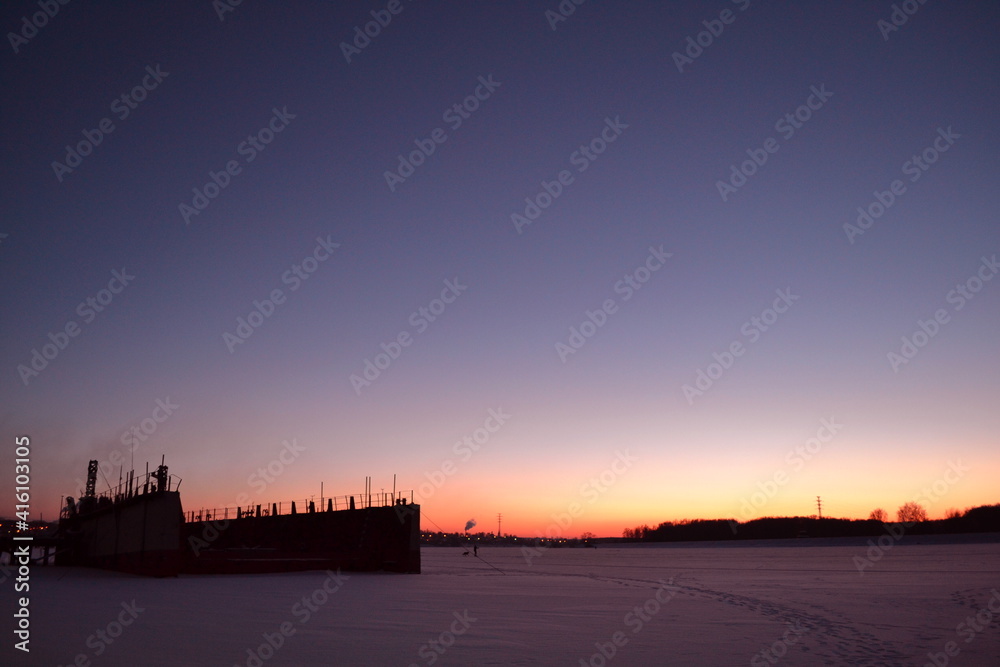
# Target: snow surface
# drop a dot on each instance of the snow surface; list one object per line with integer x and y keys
{"x": 722, "y": 605}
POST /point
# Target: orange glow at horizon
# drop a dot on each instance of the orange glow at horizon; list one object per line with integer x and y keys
{"x": 600, "y": 489}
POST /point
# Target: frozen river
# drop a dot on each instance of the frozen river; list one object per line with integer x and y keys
{"x": 793, "y": 604}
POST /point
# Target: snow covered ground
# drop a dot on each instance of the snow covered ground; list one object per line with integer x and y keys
{"x": 794, "y": 604}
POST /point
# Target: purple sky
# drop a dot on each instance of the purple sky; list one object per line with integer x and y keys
{"x": 699, "y": 203}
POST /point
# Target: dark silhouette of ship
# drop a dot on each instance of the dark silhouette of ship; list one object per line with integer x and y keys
{"x": 140, "y": 527}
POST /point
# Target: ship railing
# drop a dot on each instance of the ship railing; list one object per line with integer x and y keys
{"x": 305, "y": 506}
{"x": 140, "y": 485}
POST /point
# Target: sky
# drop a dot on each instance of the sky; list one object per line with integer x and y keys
{"x": 580, "y": 266}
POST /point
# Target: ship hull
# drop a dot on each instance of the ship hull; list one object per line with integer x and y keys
{"x": 140, "y": 535}
{"x": 366, "y": 539}
{"x": 147, "y": 534}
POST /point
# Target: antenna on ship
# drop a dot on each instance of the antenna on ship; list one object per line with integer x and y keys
{"x": 132, "y": 472}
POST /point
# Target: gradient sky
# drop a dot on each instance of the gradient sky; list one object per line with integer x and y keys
{"x": 619, "y": 397}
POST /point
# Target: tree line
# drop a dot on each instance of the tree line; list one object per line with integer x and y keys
{"x": 982, "y": 519}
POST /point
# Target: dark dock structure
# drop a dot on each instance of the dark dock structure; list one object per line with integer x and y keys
{"x": 141, "y": 528}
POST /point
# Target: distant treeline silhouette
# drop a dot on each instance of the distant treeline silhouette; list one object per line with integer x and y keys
{"x": 984, "y": 519}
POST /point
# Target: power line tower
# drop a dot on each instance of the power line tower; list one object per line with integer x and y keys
{"x": 499, "y": 518}
{"x": 819, "y": 507}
